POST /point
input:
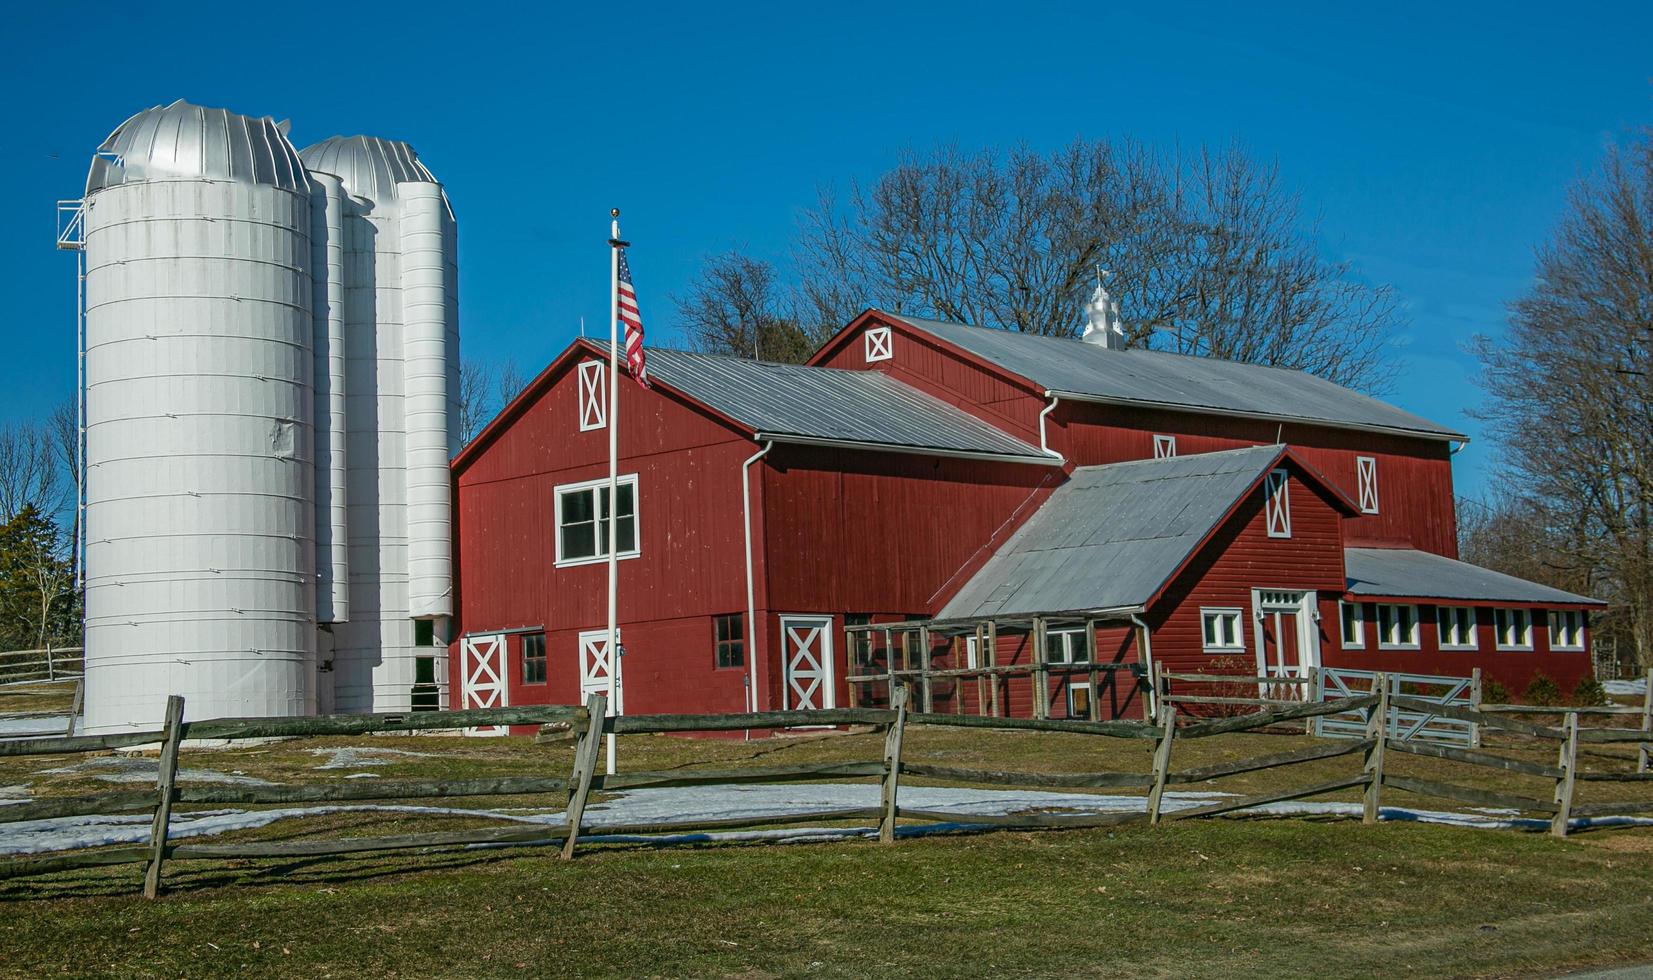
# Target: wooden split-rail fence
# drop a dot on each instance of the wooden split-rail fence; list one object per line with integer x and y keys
{"x": 584, "y": 779}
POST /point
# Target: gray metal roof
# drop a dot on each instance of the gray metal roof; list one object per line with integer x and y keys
{"x": 185, "y": 140}
{"x": 1160, "y": 378}
{"x": 1111, "y": 536}
{"x": 829, "y": 404}
{"x": 369, "y": 167}
{"x": 1404, "y": 573}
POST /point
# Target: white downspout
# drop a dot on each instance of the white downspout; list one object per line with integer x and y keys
{"x": 1044, "y": 446}
{"x": 751, "y": 593}
{"x": 1148, "y": 663}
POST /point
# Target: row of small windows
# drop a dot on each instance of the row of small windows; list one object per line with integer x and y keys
{"x": 1397, "y": 627}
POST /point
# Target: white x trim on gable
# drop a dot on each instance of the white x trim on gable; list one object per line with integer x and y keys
{"x": 593, "y": 396}
{"x": 1277, "y": 504}
{"x": 1366, "y": 468}
{"x": 1165, "y": 447}
{"x": 877, "y": 341}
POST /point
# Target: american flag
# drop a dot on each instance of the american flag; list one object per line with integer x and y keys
{"x": 634, "y": 324}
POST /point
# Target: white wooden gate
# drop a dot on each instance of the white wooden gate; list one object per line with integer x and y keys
{"x": 595, "y": 664}
{"x": 483, "y": 668}
{"x": 806, "y": 652}
{"x": 1403, "y": 724}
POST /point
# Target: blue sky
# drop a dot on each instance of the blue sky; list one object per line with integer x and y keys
{"x": 1434, "y": 142}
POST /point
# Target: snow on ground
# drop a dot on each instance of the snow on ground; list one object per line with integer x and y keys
{"x": 50, "y": 726}
{"x": 1625, "y": 688}
{"x": 355, "y": 757}
{"x": 142, "y": 769}
{"x": 690, "y": 803}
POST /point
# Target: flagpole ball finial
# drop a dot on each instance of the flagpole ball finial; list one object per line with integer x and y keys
{"x": 614, "y": 212}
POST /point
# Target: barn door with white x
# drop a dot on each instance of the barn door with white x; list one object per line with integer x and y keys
{"x": 806, "y": 650}
{"x": 595, "y": 664}
{"x": 482, "y": 677}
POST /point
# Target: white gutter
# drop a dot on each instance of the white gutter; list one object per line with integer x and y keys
{"x": 751, "y": 593}
{"x": 1148, "y": 662}
{"x": 773, "y": 437}
{"x": 1044, "y": 446}
{"x": 1391, "y": 430}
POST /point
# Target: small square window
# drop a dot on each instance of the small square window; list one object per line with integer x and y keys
{"x": 1514, "y": 628}
{"x": 729, "y": 640}
{"x": 1066, "y": 647}
{"x": 877, "y": 341}
{"x": 1456, "y": 625}
{"x": 533, "y": 658}
{"x": 426, "y": 695}
{"x": 1352, "y": 624}
{"x": 1221, "y": 630}
{"x": 1397, "y": 627}
{"x": 424, "y": 632}
{"x": 1566, "y": 629}
{"x": 1079, "y": 700}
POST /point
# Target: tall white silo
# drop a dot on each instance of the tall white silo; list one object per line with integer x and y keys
{"x": 401, "y": 341}
{"x": 200, "y": 531}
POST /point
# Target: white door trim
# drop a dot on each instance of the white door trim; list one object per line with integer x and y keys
{"x": 484, "y": 672}
{"x": 1267, "y": 601}
{"x": 806, "y": 640}
{"x": 594, "y": 663}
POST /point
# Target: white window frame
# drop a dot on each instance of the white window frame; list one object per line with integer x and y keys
{"x": 1393, "y": 609}
{"x": 1235, "y": 641}
{"x": 1573, "y": 631}
{"x": 1277, "y": 503}
{"x": 593, "y": 390}
{"x": 1366, "y": 475}
{"x": 1165, "y": 447}
{"x": 1356, "y": 641}
{"x": 877, "y": 344}
{"x": 1072, "y": 644}
{"x": 1455, "y": 614}
{"x": 1068, "y": 690}
{"x": 595, "y": 487}
{"x": 1513, "y": 616}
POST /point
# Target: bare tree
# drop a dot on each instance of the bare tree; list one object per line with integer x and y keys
{"x": 1570, "y": 394}
{"x": 30, "y": 474}
{"x": 737, "y": 306}
{"x": 474, "y": 399}
{"x": 64, "y": 428}
{"x": 1210, "y": 255}
{"x": 509, "y": 382}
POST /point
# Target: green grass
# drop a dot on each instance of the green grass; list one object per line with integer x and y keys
{"x": 1233, "y": 898}
{"x": 1224, "y": 899}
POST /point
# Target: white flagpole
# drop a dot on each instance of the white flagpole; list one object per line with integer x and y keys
{"x": 613, "y": 473}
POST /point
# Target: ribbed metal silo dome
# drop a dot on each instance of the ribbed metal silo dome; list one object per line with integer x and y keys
{"x": 401, "y": 363}
{"x": 200, "y": 555}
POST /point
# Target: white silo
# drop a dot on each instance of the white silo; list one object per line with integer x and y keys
{"x": 400, "y": 328}
{"x": 200, "y": 529}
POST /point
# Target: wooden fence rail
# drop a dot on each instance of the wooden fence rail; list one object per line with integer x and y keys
{"x": 568, "y": 829}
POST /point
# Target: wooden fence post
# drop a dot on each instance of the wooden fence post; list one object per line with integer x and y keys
{"x": 924, "y": 666}
{"x": 1095, "y": 678}
{"x": 75, "y": 706}
{"x": 1567, "y": 763}
{"x": 166, "y": 776}
{"x": 892, "y": 767}
{"x": 1475, "y": 702}
{"x": 889, "y": 665}
{"x": 992, "y": 653}
{"x": 1643, "y": 752}
{"x": 586, "y": 749}
{"x": 1377, "y": 730}
{"x": 1162, "y": 762}
{"x": 981, "y": 661}
{"x": 1041, "y": 670}
{"x": 854, "y": 668}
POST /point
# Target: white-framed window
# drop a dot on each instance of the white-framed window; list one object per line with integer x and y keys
{"x": 1366, "y": 472}
{"x": 1277, "y": 504}
{"x": 1079, "y": 699}
{"x": 582, "y": 521}
{"x": 1351, "y": 621}
{"x": 593, "y": 396}
{"x": 972, "y": 653}
{"x": 877, "y": 343}
{"x": 1397, "y": 626}
{"x": 1165, "y": 447}
{"x": 1566, "y": 629}
{"x": 1514, "y": 628}
{"x": 1220, "y": 629}
{"x": 1456, "y": 625}
{"x": 1066, "y": 647}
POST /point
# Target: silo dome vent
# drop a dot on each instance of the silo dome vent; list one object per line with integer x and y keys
{"x": 369, "y": 167}
{"x": 183, "y": 140}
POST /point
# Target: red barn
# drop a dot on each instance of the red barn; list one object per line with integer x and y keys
{"x": 1012, "y": 500}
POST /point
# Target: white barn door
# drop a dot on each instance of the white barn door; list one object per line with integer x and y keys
{"x": 595, "y": 664}
{"x": 483, "y": 668}
{"x": 806, "y": 654}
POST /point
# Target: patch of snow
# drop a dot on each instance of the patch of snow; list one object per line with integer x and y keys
{"x": 141, "y": 769}
{"x": 46, "y": 727}
{"x": 1625, "y": 688}
{"x": 363, "y": 775}
{"x": 354, "y": 757}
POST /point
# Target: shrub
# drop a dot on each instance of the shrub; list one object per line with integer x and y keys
{"x": 1589, "y": 693}
{"x": 1494, "y": 692}
{"x": 1541, "y": 690}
